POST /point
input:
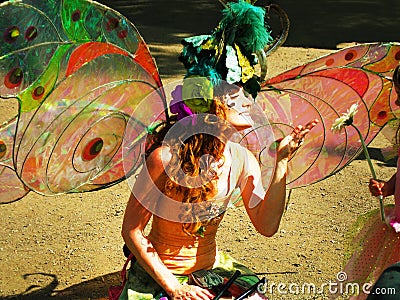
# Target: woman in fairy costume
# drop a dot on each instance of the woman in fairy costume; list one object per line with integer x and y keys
{"x": 374, "y": 243}
{"x": 193, "y": 169}
{"x": 392, "y": 186}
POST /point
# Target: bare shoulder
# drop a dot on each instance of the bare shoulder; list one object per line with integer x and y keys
{"x": 250, "y": 162}
{"x": 159, "y": 158}
{"x": 248, "y": 155}
{"x": 244, "y": 159}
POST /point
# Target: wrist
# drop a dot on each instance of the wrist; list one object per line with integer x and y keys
{"x": 284, "y": 160}
{"x": 172, "y": 289}
{"x": 282, "y": 167}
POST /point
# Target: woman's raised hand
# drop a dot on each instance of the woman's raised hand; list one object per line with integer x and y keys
{"x": 292, "y": 142}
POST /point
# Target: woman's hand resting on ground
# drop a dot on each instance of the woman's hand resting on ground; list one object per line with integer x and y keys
{"x": 191, "y": 292}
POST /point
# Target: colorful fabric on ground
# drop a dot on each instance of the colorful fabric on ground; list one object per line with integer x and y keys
{"x": 141, "y": 286}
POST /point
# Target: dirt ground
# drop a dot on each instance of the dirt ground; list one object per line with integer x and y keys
{"x": 69, "y": 246}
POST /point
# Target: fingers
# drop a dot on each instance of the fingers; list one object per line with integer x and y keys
{"x": 375, "y": 187}
{"x": 291, "y": 143}
{"x": 312, "y": 124}
{"x": 301, "y": 131}
{"x": 192, "y": 292}
{"x": 206, "y": 294}
{"x": 376, "y": 183}
{"x": 298, "y": 134}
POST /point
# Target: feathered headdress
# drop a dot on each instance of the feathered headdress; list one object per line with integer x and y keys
{"x": 228, "y": 53}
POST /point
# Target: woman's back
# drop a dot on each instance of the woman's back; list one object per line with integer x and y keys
{"x": 180, "y": 252}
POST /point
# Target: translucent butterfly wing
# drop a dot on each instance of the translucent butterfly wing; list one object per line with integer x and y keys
{"x": 11, "y": 187}
{"x": 325, "y": 89}
{"x": 78, "y": 82}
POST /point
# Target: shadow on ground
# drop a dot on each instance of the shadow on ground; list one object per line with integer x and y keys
{"x": 319, "y": 24}
{"x": 376, "y": 154}
{"x": 45, "y": 288}
{"x": 315, "y": 24}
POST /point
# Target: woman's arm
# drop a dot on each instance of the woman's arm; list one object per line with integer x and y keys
{"x": 149, "y": 184}
{"x": 137, "y": 217}
{"x": 266, "y": 213}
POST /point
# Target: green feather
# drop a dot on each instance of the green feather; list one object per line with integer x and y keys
{"x": 243, "y": 23}
{"x": 204, "y": 69}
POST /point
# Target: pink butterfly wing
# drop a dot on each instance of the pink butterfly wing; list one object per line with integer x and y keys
{"x": 325, "y": 89}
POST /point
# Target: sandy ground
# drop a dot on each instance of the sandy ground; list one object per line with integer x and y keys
{"x": 69, "y": 246}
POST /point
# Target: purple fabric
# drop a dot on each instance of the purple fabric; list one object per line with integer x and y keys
{"x": 178, "y": 106}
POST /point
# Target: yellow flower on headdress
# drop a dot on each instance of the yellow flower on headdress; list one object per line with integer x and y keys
{"x": 197, "y": 93}
{"x": 211, "y": 44}
{"x": 247, "y": 69}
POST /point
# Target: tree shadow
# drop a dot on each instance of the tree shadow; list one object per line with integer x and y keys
{"x": 163, "y": 24}
{"x": 317, "y": 24}
{"x": 376, "y": 154}
{"x": 96, "y": 288}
